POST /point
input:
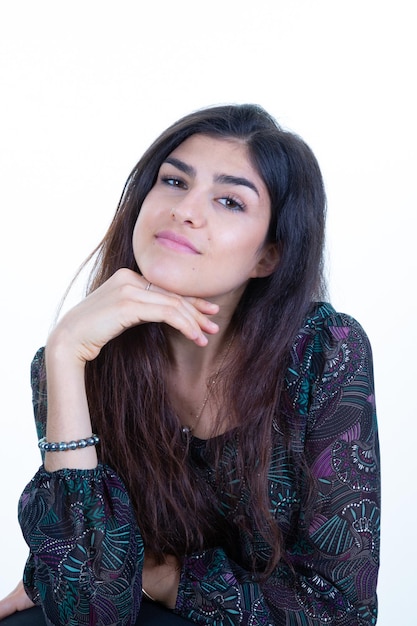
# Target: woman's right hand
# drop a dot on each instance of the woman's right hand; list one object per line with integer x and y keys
{"x": 17, "y": 600}
{"x": 122, "y": 302}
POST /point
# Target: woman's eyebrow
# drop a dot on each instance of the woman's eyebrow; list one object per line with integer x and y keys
{"x": 223, "y": 179}
{"x": 226, "y": 179}
{"x": 183, "y": 167}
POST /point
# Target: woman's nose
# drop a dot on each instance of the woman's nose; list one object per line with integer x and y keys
{"x": 191, "y": 210}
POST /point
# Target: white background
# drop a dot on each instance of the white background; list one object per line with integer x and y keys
{"x": 87, "y": 85}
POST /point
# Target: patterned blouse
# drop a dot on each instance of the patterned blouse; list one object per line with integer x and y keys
{"x": 86, "y": 550}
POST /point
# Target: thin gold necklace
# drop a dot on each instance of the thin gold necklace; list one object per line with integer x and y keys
{"x": 187, "y": 430}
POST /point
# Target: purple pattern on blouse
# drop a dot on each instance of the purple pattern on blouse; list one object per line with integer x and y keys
{"x": 86, "y": 552}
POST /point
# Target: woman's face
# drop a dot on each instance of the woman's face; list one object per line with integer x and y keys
{"x": 202, "y": 228}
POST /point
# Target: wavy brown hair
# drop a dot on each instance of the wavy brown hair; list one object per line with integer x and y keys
{"x": 126, "y": 384}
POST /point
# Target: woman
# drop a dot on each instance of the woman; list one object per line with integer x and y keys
{"x": 236, "y": 480}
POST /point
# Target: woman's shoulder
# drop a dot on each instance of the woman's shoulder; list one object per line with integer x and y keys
{"x": 324, "y": 327}
{"x": 328, "y": 353}
{"x": 323, "y": 317}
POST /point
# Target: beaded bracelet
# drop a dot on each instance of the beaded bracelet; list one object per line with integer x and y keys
{"x": 63, "y": 446}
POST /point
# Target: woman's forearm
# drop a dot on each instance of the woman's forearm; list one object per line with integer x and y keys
{"x": 68, "y": 413}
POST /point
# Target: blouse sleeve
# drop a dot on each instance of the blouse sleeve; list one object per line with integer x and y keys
{"x": 329, "y": 573}
{"x": 86, "y": 553}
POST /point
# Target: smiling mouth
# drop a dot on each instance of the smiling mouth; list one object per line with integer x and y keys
{"x": 171, "y": 240}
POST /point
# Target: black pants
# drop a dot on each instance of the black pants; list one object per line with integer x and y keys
{"x": 151, "y": 614}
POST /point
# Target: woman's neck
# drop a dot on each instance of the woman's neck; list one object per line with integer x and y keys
{"x": 191, "y": 359}
{"x": 193, "y": 381}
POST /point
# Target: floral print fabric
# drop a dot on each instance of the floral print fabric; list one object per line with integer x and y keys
{"x": 86, "y": 551}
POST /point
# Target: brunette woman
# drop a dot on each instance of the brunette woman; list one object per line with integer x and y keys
{"x": 207, "y": 423}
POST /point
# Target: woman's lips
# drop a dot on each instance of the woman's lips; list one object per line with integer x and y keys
{"x": 172, "y": 240}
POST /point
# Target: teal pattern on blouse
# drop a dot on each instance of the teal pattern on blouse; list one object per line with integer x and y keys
{"x": 86, "y": 551}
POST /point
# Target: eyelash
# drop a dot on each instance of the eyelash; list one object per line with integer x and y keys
{"x": 238, "y": 205}
{"x": 173, "y": 181}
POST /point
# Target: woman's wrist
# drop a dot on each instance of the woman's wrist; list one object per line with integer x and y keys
{"x": 68, "y": 416}
{"x": 61, "y": 350}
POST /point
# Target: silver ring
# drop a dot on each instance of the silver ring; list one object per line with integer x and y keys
{"x": 148, "y": 286}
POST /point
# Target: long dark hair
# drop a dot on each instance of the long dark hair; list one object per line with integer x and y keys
{"x": 126, "y": 384}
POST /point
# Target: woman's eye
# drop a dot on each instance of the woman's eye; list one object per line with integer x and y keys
{"x": 232, "y": 203}
{"x": 172, "y": 181}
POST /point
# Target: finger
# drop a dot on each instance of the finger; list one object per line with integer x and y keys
{"x": 202, "y": 305}
{"x": 194, "y": 310}
{"x": 198, "y": 308}
{"x": 173, "y": 312}
{"x": 205, "y": 306}
{"x": 179, "y": 314}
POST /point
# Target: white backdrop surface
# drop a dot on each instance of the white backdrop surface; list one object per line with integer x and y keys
{"x": 87, "y": 85}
